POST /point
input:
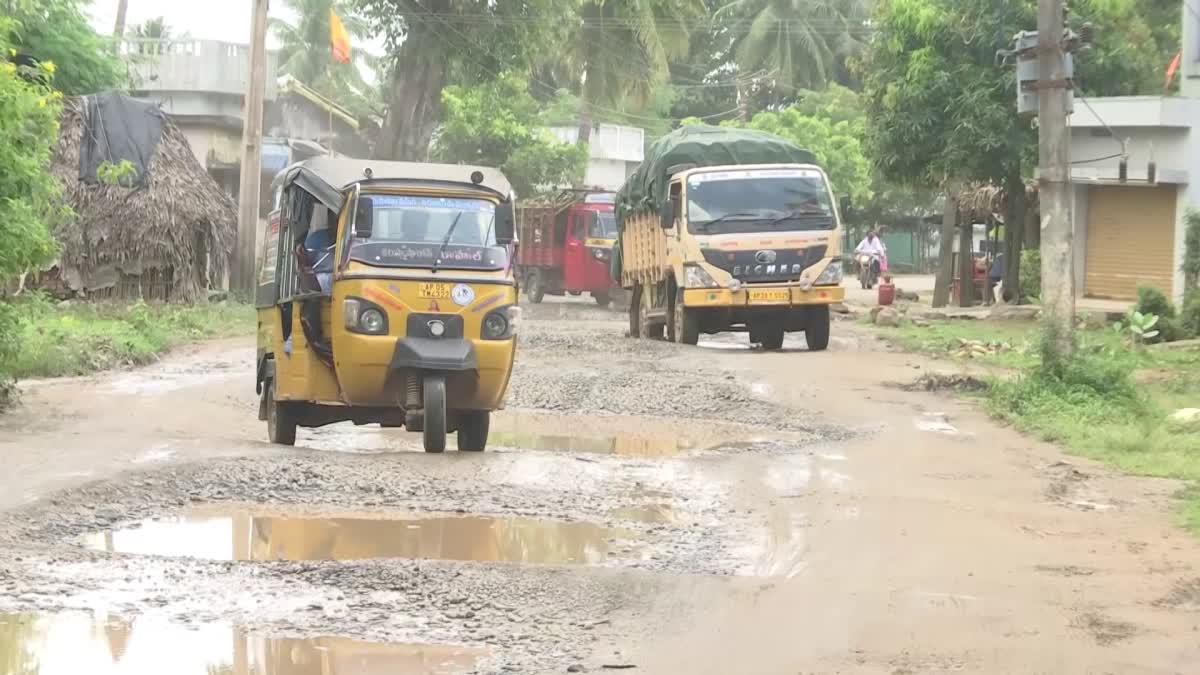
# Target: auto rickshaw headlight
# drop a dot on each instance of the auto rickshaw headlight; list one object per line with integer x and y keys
{"x": 372, "y": 321}
{"x": 500, "y": 324}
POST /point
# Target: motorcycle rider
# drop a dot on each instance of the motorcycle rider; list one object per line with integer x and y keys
{"x": 873, "y": 246}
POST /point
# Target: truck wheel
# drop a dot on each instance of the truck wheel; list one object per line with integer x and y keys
{"x": 685, "y": 324}
{"x": 772, "y": 338}
{"x": 281, "y": 419}
{"x": 536, "y": 287}
{"x": 816, "y": 330}
{"x": 649, "y": 330}
{"x": 602, "y": 298}
{"x": 435, "y": 413}
{"x": 473, "y": 430}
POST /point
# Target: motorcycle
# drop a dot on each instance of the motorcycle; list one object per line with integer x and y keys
{"x": 868, "y": 269}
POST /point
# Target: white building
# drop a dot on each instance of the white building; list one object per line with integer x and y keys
{"x": 615, "y": 151}
{"x": 1131, "y": 233}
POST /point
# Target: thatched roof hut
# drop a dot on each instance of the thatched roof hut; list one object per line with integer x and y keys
{"x": 168, "y": 239}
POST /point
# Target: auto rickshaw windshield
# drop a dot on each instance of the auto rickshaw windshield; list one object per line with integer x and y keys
{"x": 418, "y": 231}
{"x": 603, "y": 225}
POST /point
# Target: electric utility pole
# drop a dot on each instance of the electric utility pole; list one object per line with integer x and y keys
{"x": 242, "y": 273}
{"x": 1054, "y": 176}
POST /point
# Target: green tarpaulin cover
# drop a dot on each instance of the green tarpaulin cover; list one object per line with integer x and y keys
{"x": 700, "y": 146}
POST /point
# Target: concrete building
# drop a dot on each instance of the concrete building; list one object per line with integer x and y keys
{"x": 615, "y": 151}
{"x": 1130, "y": 233}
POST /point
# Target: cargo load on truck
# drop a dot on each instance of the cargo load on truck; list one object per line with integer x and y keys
{"x": 700, "y": 146}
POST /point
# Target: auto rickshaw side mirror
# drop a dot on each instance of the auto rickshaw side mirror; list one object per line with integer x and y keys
{"x": 506, "y": 223}
{"x": 364, "y": 218}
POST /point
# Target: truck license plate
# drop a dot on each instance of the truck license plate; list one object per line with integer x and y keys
{"x": 770, "y": 295}
{"x": 431, "y": 291}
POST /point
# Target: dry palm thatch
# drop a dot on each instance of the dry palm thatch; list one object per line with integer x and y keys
{"x": 165, "y": 240}
{"x": 983, "y": 200}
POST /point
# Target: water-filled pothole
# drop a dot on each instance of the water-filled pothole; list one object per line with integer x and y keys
{"x": 249, "y": 535}
{"x": 623, "y": 435}
{"x": 72, "y": 644}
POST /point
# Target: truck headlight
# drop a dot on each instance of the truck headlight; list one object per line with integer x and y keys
{"x": 831, "y": 276}
{"x": 696, "y": 277}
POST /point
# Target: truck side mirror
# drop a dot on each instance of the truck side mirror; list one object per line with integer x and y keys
{"x": 506, "y": 223}
{"x": 364, "y": 215}
{"x": 666, "y": 214}
{"x": 844, "y": 205}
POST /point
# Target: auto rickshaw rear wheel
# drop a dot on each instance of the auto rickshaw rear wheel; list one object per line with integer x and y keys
{"x": 602, "y": 298}
{"x": 473, "y": 428}
{"x": 281, "y": 419}
{"x": 435, "y": 413}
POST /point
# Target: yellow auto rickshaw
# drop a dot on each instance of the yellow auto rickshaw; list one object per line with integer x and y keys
{"x": 386, "y": 295}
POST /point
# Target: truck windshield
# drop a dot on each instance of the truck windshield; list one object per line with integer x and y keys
{"x": 409, "y": 231}
{"x": 759, "y": 200}
{"x": 603, "y": 225}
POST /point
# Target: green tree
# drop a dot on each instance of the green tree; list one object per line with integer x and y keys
{"x": 152, "y": 29}
{"x": 497, "y": 124}
{"x": 435, "y": 43}
{"x": 305, "y": 52}
{"x": 57, "y": 31}
{"x": 800, "y": 43}
{"x": 623, "y": 51}
{"x": 30, "y": 201}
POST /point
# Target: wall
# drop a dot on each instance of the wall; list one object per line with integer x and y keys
{"x": 193, "y": 65}
{"x": 606, "y": 173}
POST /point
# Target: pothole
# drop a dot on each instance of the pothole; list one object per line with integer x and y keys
{"x": 68, "y": 644}
{"x": 249, "y": 535}
{"x": 629, "y": 436}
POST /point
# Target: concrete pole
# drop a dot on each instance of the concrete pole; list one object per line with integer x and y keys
{"x": 1054, "y": 170}
{"x": 122, "y": 10}
{"x": 242, "y": 277}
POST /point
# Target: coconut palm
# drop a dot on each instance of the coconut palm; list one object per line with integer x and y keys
{"x": 305, "y": 51}
{"x": 623, "y": 51}
{"x": 799, "y": 43}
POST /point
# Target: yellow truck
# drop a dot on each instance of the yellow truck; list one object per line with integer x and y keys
{"x": 729, "y": 230}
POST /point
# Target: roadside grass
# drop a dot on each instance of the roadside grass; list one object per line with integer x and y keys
{"x": 1109, "y": 402}
{"x": 80, "y": 338}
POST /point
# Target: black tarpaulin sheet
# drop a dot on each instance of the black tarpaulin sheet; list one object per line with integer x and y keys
{"x": 118, "y": 128}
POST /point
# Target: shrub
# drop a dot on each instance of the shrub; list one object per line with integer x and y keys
{"x": 1031, "y": 274}
{"x": 1189, "y": 316}
{"x": 1150, "y": 300}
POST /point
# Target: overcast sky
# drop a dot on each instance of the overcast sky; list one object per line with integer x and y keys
{"x": 227, "y": 20}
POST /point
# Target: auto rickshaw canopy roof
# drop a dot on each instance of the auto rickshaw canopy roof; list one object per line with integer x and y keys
{"x": 327, "y": 177}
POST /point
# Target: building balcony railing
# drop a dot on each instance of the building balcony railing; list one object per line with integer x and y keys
{"x": 185, "y": 65}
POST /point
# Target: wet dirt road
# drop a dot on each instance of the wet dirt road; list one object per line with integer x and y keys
{"x": 678, "y": 510}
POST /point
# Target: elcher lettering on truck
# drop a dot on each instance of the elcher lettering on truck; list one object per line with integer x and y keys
{"x": 729, "y": 230}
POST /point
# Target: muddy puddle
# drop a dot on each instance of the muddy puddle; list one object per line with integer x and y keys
{"x": 75, "y": 644}
{"x": 245, "y": 535}
{"x": 615, "y": 435}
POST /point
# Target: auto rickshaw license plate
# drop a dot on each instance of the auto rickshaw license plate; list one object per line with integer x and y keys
{"x": 770, "y": 295}
{"x": 431, "y": 291}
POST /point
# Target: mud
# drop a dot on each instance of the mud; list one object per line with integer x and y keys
{"x": 663, "y": 509}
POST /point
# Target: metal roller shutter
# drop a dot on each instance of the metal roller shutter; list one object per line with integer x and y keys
{"x": 1130, "y": 240}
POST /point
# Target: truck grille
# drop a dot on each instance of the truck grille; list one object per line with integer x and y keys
{"x": 773, "y": 265}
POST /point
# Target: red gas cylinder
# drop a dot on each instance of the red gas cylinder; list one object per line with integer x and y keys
{"x": 887, "y": 292}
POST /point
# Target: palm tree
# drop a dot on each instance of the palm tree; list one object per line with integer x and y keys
{"x": 624, "y": 49}
{"x": 305, "y": 50}
{"x": 153, "y": 29}
{"x": 799, "y": 43}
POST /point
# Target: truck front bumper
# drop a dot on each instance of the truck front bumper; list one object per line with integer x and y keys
{"x": 763, "y": 296}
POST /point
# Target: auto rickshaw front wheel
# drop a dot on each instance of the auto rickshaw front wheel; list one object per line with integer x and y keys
{"x": 281, "y": 419}
{"x": 435, "y": 413}
{"x": 473, "y": 428}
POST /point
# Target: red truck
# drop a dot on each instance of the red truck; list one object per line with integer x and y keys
{"x": 566, "y": 243}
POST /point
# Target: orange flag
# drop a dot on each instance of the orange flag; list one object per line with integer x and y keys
{"x": 339, "y": 39}
{"x": 1171, "y": 69}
